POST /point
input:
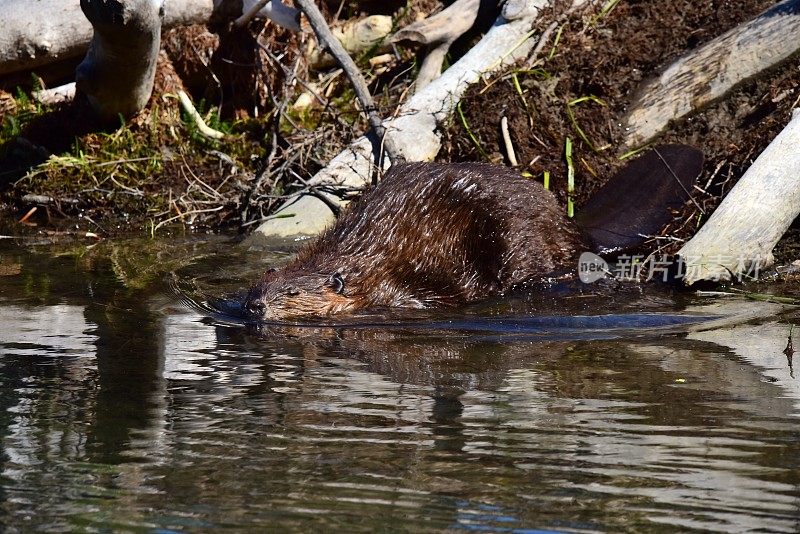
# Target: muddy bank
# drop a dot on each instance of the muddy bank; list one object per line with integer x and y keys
{"x": 582, "y": 87}
{"x": 157, "y": 171}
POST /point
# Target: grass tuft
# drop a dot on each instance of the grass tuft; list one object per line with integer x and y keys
{"x": 574, "y": 122}
{"x": 469, "y": 132}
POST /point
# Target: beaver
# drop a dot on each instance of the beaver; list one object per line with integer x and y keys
{"x": 442, "y": 235}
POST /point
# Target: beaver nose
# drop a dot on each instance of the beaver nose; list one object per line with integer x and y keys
{"x": 256, "y": 307}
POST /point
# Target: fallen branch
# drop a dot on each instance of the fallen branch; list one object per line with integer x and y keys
{"x": 738, "y": 238}
{"x": 715, "y": 68}
{"x": 416, "y": 129}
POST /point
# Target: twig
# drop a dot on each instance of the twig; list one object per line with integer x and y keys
{"x": 185, "y": 213}
{"x": 540, "y": 44}
{"x": 512, "y": 157}
{"x": 202, "y": 127}
{"x": 570, "y": 178}
{"x": 266, "y": 165}
{"x": 679, "y": 182}
{"x": 559, "y": 24}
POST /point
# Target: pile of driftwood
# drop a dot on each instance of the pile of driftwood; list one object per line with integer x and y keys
{"x": 123, "y": 38}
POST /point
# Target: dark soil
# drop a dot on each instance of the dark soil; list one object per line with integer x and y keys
{"x": 609, "y": 60}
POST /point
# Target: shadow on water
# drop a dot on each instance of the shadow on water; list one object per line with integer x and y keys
{"x": 124, "y": 407}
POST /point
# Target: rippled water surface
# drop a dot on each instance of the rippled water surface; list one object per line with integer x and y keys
{"x": 123, "y": 409}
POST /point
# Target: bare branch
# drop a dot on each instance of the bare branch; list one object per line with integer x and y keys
{"x": 330, "y": 43}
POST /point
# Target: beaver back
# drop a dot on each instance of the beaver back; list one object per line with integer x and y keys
{"x": 443, "y": 234}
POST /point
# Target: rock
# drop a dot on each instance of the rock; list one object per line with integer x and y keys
{"x": 310, "y": 216}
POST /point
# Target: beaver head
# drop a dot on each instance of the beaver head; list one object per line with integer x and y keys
{"x": 283, "y": 294}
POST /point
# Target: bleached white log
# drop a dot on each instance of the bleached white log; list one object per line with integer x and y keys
{"x": 31, "y": 36}
{"x": 45, "y": 31}
{"x": 415, "y": 130}
{"x": 437, "y": 33}
{"x": 738, "y": 238}
{"x": 712, "y": 70}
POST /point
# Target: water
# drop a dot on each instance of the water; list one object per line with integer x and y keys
{"x": 123, "y": 409}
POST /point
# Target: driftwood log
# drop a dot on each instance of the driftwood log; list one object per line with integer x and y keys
{"x": 712, "y": 70}
{"x": 416, "y": 129}
{"x": 738, "y": 238}
{"x": 39, "y": 33}
{"x": 437, "y": 33}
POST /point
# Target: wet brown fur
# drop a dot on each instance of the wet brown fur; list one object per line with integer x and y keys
{"x": 428, "y": 235}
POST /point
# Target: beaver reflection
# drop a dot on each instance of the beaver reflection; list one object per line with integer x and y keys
{"x": 441, "y": 235}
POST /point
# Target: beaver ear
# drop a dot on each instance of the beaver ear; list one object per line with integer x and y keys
{"x": 336, "y": 283}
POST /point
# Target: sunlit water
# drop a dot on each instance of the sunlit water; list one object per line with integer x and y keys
{"x": 122, "y": 409}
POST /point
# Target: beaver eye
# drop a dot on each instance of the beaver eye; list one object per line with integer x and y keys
{"x": 292, "y": 291}
{"x": 256, "y": 308}
{"x": 336, "y": 283}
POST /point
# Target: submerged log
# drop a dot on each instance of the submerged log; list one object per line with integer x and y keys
{"x": 738, "y": 238}
{"x": 712, "y": 70}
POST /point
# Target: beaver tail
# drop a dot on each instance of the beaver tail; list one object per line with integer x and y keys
{"x": 637, "y": 200}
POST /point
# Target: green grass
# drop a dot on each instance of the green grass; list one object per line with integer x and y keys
{"x": 576, "y": 126}
{"x": 607, "y": 8}
{"x": 469, "y": 132}
{"x": 555, "y": 42}
{"x": 134, "y": 170}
